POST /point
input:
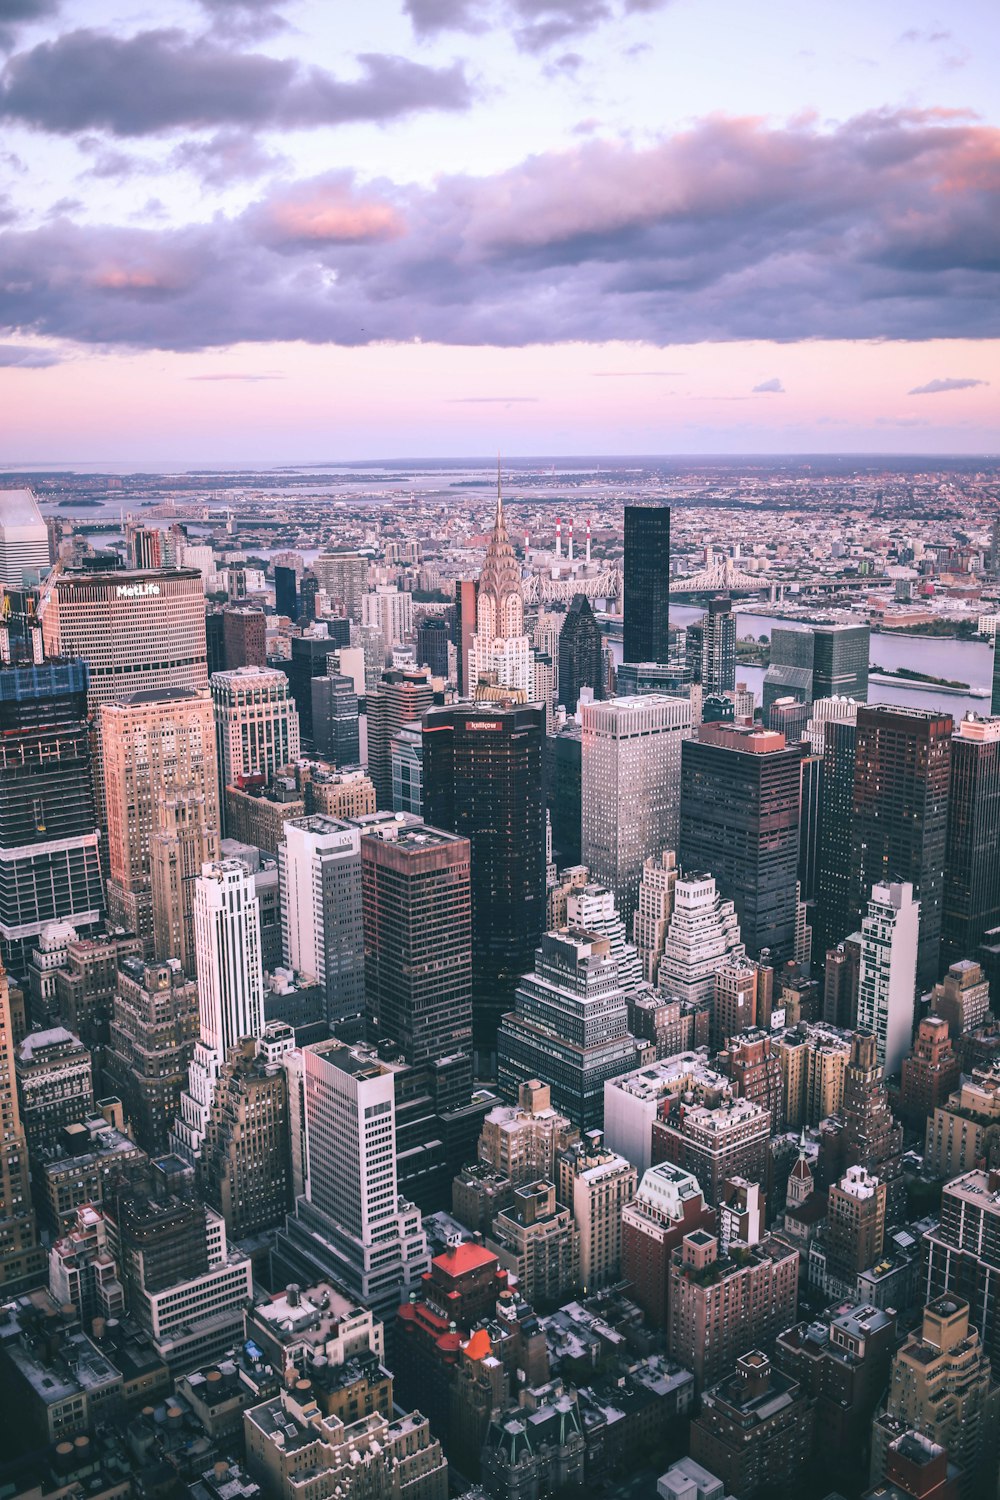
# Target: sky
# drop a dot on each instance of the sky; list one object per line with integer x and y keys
{"x": 251, "y": 231}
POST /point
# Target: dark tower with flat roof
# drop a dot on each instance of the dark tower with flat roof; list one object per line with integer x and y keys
{"x": 646, "y": 591}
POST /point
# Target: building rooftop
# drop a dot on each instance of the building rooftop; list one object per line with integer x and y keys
{"x": 19, "y": 508}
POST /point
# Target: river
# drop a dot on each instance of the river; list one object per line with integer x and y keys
{"x": 960, "y": 661}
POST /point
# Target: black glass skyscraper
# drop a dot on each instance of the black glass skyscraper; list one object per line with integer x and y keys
{"x": 646, "y": 595}
{"x": 834, "y": 916}
{"x": 286, "y": 600}
{"x": 49, "y": 862}
{"x": 740, "y": 792}
{"x": 901, "y": 784}
{"x": 483, "y": 780}
{"x": 972, "y": 867}
{"x": 432, "y": 646}
{"x": 580, "y": 654}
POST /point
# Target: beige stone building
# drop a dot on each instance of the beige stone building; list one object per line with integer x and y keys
{"x": 956, "y": 1132}
{"x": 942, "y": 1386}
{"x": 537, "y": 1240}
{"x": 595, "y": 1184}
{"x": 157, "y": 746}
{"x": 522, "y": 1141}
{"x": 295, "y": 1453}
{"x": 813, "y": 1061}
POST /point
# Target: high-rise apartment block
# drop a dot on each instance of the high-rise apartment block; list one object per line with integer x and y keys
{"x": 244, "y": 637}
{"x": 319, "y": 872}
{"x": 669, "y": 1204}
{"x": 855, "y": 1225}
{"x": 343, "y": 577}
{"x": 900, "y": 816}
{"x": 971, "y": 897}
{"x": 754, "y": 1428}
{"x": 962, "y": 1254}
{"x": 159, "y": 752}
{"x": 813, "y": 1059}
{"x": 887, "y": 981}
{"x": 257, "y": 726}
{"x": 523, "y": 1141}
{"x": 49, "y": 841}
{"x": 833, "y": 731}
{"x": 722, "y": 1306}
{"x": 55, "y": 1085}
{"x": 740, "y": 821}
{"x": 596, "y": 1184}
{"x": 962, "y": 998}
{"x": 646, "y": 580}
{"x": 718, "y": 653}
{"x": 943, "y": 1387}
{"x": 929, "y": 1073}
{"x": 335, "y": 722}
{"x": 483, "y": 780}
{"x": 536, "y": 1239}
{"x": 956, "y": 1131}
{"x": 631, "y": 780}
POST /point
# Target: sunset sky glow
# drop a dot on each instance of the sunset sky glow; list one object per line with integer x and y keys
{"x": 263, "y": 232}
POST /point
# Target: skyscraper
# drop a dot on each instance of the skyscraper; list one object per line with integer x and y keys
{"x": 335, "y": 722}
{"x": 569, "y": 1025}
{"x": 418, "y": 940}
{"x": 186, "y": 838}
{"x": 483, "y": 781}
{"x": 740, "y": 792}
{"x": 465, "y": 629}
{"x": 500, "y": 652}
{"x": 432, "y": 646}
{"x": 703, "y": 933}
{"x": 256, "y": 724}
{"x": 718, "y": 652}
{"x": 901, "y": 785}
{"x": 646, "y": 583}
{"x": 653, "y": 912}
{"x": 581, "y": 654}
{"x": 286, "y": 600}
{"x": 157, "y": 744}
{"x": 352, "y": 1223}
{"x": 244, "y": 637}
{"x": 22, "y": 1260}
{"x": 971, "y": 899}
{"x": 230, "y": 989}
{"x": 399, "y": 698}
{"x": 343, "y": 577}
{"x": 319, "y": 870}
{"x": 631, "y": 784}
{"x": 887, "y": 984}
{"x": 24, "y": 538}
{"x": 49, "y": 841}
{"x": 819, "y": 661}
{"x": 834, "y": 734}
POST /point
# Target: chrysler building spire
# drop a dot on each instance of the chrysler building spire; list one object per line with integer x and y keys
{"x": 500, "y": 606}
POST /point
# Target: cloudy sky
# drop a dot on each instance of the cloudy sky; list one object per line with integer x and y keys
{"x": 257, "y": 231}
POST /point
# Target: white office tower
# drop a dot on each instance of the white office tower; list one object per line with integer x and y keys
{"x": 256, "y": 723}
{"x": 653, "y": 913}
{"x": 631, "y": 780}
{"x": 829, "y": 711}
{"x": 390, "y": 612}
{"x": 230, "y": 988}
{"x": 704, "y": 933}
{"x": 887, "y": 984}
{"x": 24, "y": 538}
{"x": 592, "y": 909}
{"x": 322, "y": 929}
{"x": 501, "y": 652}
{"x": 351, "y": 1224}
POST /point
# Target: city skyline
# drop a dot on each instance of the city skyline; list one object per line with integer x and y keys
{"x": 446, "y": 228}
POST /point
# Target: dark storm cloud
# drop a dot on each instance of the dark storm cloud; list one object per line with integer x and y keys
{"x": 886, "y": 227}
{"x": 166, "y": 80}
{"x": 536, "y": 24}
{"x": 17, "y": 13}
{"x": 936, "y": 387}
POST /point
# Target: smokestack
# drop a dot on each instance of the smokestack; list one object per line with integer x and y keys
{"x": 570, "y": 552}
{"x": 558, "y": 537}
{"x": 527, "y": 543}
{"x": 588, "y": 539}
